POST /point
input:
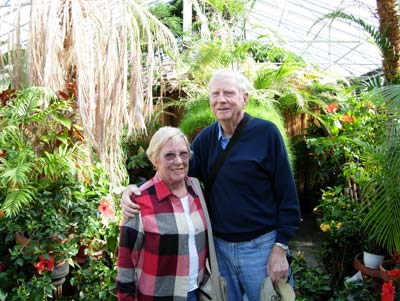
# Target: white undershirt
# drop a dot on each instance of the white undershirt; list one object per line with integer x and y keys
{"x": 193, "y": 256}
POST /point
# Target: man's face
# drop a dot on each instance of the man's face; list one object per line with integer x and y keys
{"x": 226, "y": 100}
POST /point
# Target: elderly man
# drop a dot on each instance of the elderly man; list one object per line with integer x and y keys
{"x": 251, "y": 194}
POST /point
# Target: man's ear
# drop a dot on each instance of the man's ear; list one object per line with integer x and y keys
{"x": 245, "y": 98}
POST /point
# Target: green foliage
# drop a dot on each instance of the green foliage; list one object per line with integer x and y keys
{"x": 335, "y": 156}
{"x": 262, "y": 53}
{"x": 367, "y": 290}
{"x": 198, "y": 115}
{"x": 170, "y": 15}
{"x": 381, "y": 190}
{"x": 95, "y": 280}
{"x": 38, "y": 147}
{"x": 310, "y": 283}
{"x": 341, "y": 222}
{"x": 50, "y": 195}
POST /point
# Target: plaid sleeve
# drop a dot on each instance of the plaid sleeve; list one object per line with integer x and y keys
{"x": 130, "y": 245}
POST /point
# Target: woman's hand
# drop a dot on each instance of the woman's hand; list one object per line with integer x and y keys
{"x": 129, "y": 208}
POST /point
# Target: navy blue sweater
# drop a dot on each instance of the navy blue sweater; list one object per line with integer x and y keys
{"x": 254, "y": 191}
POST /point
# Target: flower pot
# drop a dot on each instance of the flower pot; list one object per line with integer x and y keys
{"x": 27, "y": 244}
{"x": 372, "y": 261}
{"x": 58, "y": 274}
{"x": 359, "y": 266}
{"x": 82, "y": 255}
{"x": 385, "y": 267}
{"x": 60, "y": 270}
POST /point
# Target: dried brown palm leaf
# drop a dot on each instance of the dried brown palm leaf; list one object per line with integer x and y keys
{"x": 109, "y": 48}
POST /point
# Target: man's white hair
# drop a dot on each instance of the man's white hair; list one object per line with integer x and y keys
{"x": 241, "y": 81}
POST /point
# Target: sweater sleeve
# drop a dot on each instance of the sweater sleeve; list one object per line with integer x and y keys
{"x": 130, "y": 245}
{"x": 288, "y": 208}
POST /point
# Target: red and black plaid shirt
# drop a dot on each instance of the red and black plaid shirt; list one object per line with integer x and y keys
{"x": 153, "y": 254}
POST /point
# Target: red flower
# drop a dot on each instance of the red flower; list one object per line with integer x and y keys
{"x": 3, "y": 153}
{"x": 106, "y": 208}
{"x": 348, "y": 118}
{"x": 332, "y": 108}
{"x": 2, "y": 266}
{"x": 45, "y": 264}
{"x": 5, "y": 96}
{"x": 394, "y": 273}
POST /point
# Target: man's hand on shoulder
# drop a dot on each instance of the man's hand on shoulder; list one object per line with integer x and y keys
{"x": 129, "y": 208}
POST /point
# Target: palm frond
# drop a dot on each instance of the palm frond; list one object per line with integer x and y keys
{"x": 16, "y": 200}
{"x": 113, "y": 50}
{"x": 381, "y": 190}
{"x": 391, "y": 96}
{"x": 18, "y": 175}
{"x": 380, "y": 40}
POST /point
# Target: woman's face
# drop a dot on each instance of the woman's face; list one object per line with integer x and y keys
{"x": 173, "y": 161}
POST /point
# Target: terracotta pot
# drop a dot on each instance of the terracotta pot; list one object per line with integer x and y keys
{"x": 385, "y": 266}
{"x": 26, "y": 244}
{"x": 82, "y": 255}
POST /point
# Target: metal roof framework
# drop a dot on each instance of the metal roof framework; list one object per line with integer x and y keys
{"x": 338, "y": 46}
{"x": 335, "y": 45}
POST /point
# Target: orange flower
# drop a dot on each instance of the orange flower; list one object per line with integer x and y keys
{"x": 348, "y": 118}
{"x": 1, "y": 213}
{"x": 387, "y": 291}
{"x": 332, "y": 108}
{"x": 106, "y": 208}
{"x": 45, "y": 264}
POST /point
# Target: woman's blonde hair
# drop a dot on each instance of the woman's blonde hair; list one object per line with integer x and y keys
{"x": 162, "y": 136}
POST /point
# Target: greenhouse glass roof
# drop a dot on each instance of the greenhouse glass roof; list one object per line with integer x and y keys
{"x": 336, "y": 45}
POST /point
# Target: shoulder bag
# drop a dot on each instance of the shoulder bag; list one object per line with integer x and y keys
{"x": 222, "y": 156}
{"x": 213, "y": 288}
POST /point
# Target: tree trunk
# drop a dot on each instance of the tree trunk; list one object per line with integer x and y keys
{"x": 389, "y": 28}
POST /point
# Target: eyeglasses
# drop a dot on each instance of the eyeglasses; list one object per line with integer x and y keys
{"x": 172, "y": 156}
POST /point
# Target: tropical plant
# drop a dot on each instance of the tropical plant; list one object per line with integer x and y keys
{"x": 40, "y": 146}
{"x": 381, "y": 190}
{"x": 112, "y": 51}
{"x": 51, "y": 199}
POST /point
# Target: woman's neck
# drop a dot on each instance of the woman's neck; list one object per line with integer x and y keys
{"x": 178, "y": 189}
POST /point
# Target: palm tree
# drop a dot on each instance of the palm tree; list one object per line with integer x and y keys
{"x": 107, "y": 53}
{"x": 389, "y": 28}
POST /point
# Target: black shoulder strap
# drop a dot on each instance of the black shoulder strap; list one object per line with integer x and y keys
{"x": 222, "y": 156}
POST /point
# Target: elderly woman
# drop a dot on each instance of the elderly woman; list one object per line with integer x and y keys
{"x": 162, "y": 251}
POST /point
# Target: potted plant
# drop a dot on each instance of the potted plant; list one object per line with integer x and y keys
{"x": 381, "y": 190}
{"x": 50, "y": 196}
{"x": 373, "y": 253}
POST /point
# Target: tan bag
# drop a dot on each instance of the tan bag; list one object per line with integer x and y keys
{"x": 282, "y": 291}
{"x": 214, "y": 285}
